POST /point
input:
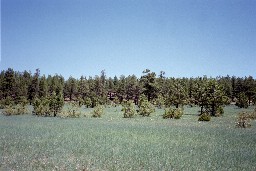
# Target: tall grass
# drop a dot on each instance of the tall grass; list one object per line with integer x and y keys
{"x": 115, "y": 143}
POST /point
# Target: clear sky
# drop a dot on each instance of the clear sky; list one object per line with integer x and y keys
{"x": 187, "y": 38}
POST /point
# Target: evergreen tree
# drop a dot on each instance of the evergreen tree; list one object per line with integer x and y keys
{"x": 210, "y": 96}
{"x": 132, "y": 89}
{"x": 249, "y": 86}
{"x": 149, "y": 84}
{"x": 71, "y": 88}
{"x": 43, "y": 87}
{"x": 2, "y": 85}
{"x": 33, "y": 88}
{"x": 177, "y": 93}
{"x": 56, "y": 103}
{"x": 8, "y": 83}
{"x": 83, "y": 88}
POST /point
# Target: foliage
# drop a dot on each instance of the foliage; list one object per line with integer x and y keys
{"x": 116, "y": 101}
{"x": 177, "y": 94}
{"x": 149, "y": 84}
{"x": 88, "y": 102}
{"x": 48, "y": 106}
{"x": 173, "y": 113}
{"x": 204, "y": 117}
{"x": 242, "y": 101}
{"x": 41, "y": 106}
{"x": 129, "y": 109}
{"x": 243, "y": 120}
{"x": 15, "y": 110}
{"x": 70, "y": 88}
{"x": 210, "y": 96}
{"x": 33, "y": 89}
{"x": 56, "y": 103}
{"x": 72, "y": 110}
{"x": 142, "y": 99}
{"x": 253, "y": 114}
{"x": 98, "y": 111}
{"x": 159, "y": 101}
{"x": 219, "y": 111}
{"x": 8, "y": 101}
{"x": 22, "y": 100}
{"x": 146, "y": 108}
{"x": 208, "y": 93}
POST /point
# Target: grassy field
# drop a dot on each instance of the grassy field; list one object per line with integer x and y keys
{"x": 114, "y": 143}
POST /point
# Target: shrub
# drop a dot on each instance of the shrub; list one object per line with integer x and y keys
{"x": 142, "y": 99}
{"x": 8, "y": 110}
{"x": 173, "y": 113}
{"x": 204, "y": 117}
{"x": 56, "y": 103}
{"x": 243, "y": 120}
{"x": 88, "y": 102}
{"x": 71, "y": 111}
{"x": 80, "y": 101}
{"x": 146, "y": 108}
{"x": 219, "y": 111}
{"x": 116, "y": 101}
{"x": 242, "y": 101}
{"x": 41, "y": 106}
{"x": 15, "y": 110}
{"x": 160, "y": 101}
{"x": 128, "y": 109}
{"x": 253, "y": 114}
{"x": 22, "y": 100}
{"x": 98, "y": 111}
{"x": 8, "y": 101}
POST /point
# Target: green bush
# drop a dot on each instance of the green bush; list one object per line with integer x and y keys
{"x": 22, "y": 100}
{"x": 41, "y": 106}
{"x": 98, "y": 111}
{"x": 8, "y": 101}
{"x": 220, "y": 111}
{"x": 243, "y": 120}
{"x": 88, "y": 102}
{"x": 15, "y": 110}
{"x": 71, "y": 111}
{"x": 146, "y": 108}
{"x": 116, "y": 101}
{"x": 9, "y": 110}
{"x": 159, "y": 102}
{"x": 80, "y": 101}
{"x": 56, "y": 103}
{"x": 142, "y": 99}
{"x": 128, "y": 109}
{"x": 11, "y": 107}
{"x": 204, "y": 117}
{"x": 48, "y": 106}
{"x": 173, "y": 113}
{"x": 242, "y": 101}
{"x": 253, "y": 114}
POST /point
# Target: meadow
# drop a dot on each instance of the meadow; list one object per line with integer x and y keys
{"x": 112, "y": 142}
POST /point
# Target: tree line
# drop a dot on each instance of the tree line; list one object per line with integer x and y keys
{"x": 207, "y": 92}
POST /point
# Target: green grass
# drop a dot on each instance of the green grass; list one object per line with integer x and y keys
{"x": 114, "y": 143}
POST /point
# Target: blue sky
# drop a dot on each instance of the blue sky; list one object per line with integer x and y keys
{"x": 184, "y": 38}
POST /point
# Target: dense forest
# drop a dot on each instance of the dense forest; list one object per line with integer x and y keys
{"x": 208, "y": 93}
